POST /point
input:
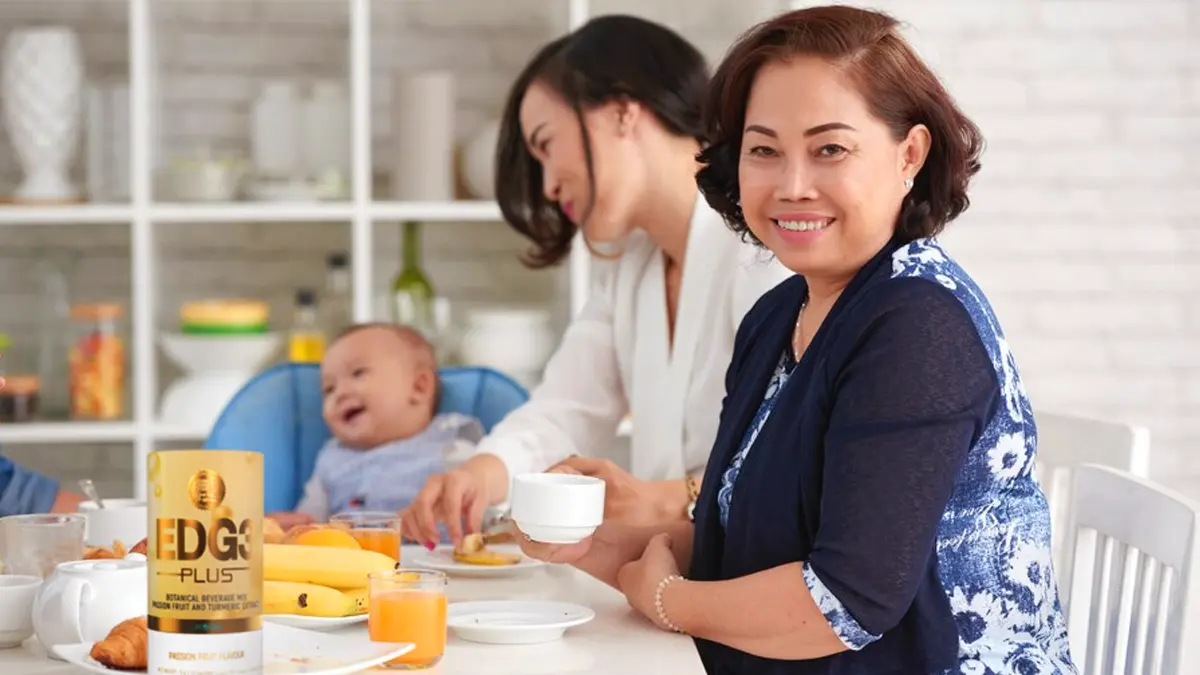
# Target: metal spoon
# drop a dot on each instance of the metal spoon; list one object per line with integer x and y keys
{"x": 89, "y": 489}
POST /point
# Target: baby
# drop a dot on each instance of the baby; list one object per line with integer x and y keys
{"x": 380, "y": 387}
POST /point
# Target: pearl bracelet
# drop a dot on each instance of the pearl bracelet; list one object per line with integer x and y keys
{"x": 658, "y": 602}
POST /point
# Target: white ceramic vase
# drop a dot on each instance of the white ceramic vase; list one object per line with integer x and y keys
{"x": 42, "y": 82}
{"x": 479, "y": 158}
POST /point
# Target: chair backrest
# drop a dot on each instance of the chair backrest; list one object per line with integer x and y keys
{"x": 1068, "y": 441}
{"x": 1130, "y": 582}
{"x": 278, "y": 413}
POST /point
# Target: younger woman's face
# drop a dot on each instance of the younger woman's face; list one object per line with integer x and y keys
{"x": 555, "y": 139}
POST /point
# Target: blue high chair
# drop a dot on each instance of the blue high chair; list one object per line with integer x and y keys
{"x": 278, "y": 413}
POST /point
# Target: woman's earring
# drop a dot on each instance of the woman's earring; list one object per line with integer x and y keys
{"x": 908, "y": 183}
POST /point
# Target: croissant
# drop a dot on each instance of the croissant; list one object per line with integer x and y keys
{"x": 125, "y": 646}
{"x": 100, "y": 553}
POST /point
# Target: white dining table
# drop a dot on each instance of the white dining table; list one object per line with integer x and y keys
{"x": 619, "y": 641}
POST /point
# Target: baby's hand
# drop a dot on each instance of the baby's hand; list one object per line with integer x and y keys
{"x": 288, "y": 520}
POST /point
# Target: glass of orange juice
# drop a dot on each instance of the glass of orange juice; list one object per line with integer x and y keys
{"x": 374, "y": 530}
{"x": 409, "y": 606}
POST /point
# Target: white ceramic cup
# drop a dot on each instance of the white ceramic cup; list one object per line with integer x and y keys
{"x": 557, "y": 508}
{"x": 120, "y": 519}
{"x": 17, "y": 593}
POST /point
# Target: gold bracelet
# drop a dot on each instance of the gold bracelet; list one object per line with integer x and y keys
{"x": 658, "y": 602}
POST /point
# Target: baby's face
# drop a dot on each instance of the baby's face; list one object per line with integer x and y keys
{"x": 374, "y": 389}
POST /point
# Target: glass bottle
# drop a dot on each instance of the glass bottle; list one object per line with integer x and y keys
{"x": 412, "y": 293}
{"x": 306, "y": 342}
{"x": 56, "y": 269}
{"x": 336, "y": 308}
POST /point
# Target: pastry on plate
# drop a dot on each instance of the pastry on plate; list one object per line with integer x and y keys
{"x": 474, "y": 551}
{"x": 117, "y": 551}
{"x": 101, "y": 553}
{"x": 487, "y": 557}
{"x": 125, "y": 646}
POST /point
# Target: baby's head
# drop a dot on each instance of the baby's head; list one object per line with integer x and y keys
{"x": 380, "y": 384}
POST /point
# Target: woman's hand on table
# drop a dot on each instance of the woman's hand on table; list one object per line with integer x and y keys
{"x": 446, "y": 498}
{"x": 639, "y": 579}
{"x": 628, "y": 499}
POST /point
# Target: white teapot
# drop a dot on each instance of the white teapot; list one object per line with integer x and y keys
{"x": 83, "y": 600}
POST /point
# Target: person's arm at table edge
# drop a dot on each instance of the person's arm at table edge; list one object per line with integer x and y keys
{"x": 790, "y": 626}
{"x": 614, "y": 545}
{"x": 23, "y": 491}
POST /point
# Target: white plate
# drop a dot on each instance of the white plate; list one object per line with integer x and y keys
{"x": 286, "y": 650}
{"x": 315, "y": 622}
{"x": 442, "y": 560}
{"x": 515, "y": 622}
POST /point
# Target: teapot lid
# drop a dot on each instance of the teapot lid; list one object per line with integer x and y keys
{"x": 102, "y": 565}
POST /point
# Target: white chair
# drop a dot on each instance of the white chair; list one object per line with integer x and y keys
{"x": 1067, "y": 441}
{"x": 1131, "y": 576}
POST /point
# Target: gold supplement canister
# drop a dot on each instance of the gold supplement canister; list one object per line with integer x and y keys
{"x": 204, "y": 552}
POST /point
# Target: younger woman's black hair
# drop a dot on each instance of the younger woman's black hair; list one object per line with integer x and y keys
{"x": 609, "y": 58}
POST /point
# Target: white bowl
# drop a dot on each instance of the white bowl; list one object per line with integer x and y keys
{"x": 17, "y": 593}
{"x": 123, "y": 519}
{"x": 557, "y": 508}
{"x": 220, "y": 353}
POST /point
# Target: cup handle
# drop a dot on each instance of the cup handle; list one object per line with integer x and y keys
{"x": 71, "y": 600}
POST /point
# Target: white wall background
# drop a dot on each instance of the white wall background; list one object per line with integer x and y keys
{"x": 1084, "y": 228}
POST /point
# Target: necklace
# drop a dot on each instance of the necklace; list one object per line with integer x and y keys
{"x": 798, "y": 332}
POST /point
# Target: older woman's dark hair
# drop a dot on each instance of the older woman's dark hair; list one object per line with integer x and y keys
{"x": 609, "y": 58}
{"x": 898, "y": 87}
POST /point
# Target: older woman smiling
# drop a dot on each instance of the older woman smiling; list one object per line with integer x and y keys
{"x": 869, "y": 506}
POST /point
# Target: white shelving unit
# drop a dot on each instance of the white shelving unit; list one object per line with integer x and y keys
{"x": 142, "y": 213}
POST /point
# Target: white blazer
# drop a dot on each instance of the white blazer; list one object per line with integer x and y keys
{"x": 616, "y": 359}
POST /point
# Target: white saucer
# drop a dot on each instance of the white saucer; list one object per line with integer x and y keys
{"x": 315, "y": 622}
{"x": 286, "y": 651}
{"x": 442, "y": 560}
{"x": 515, "y": 622}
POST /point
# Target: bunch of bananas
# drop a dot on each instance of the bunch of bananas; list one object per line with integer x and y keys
{"x": 318, "y": 581}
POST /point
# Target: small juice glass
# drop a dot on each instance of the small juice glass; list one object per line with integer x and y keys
{"x": 35, "y": 544}
{"x": 409, "y": 606}
{"x": 373, "y": 530}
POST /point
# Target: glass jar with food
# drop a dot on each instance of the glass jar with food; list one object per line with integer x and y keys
{"x": 97, "y": 363}
{"x": 19, "y": 398}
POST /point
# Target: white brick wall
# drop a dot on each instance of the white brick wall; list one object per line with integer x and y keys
{"x": 1082, "y": 229}
{"x": 1082, "y": 218}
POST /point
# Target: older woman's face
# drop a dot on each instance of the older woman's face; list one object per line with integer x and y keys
{"x": 821, "y": 178}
